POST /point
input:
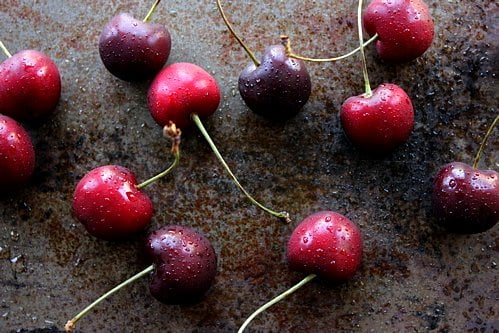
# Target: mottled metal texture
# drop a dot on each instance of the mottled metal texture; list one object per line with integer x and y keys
{"x": 414, "y": 277}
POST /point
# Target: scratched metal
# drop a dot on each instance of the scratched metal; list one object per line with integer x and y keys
{"x": 414, "y": 277}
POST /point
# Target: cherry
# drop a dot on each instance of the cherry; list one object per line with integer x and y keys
{"x": 325, "y": 244}
{"x": 182, "y": 93}
{"x": 17, "y": 154}
{"x": 377, "y": 121}
{"x": 109, "y": 202}
{"x": 30, "y": 87}
{"x": 134, "y": 50}
{"x": 186, "y": 264}
{"x": 465, "y": 199}
{"x": 184, "y": 268}
{"x": 278, "y": 86}
{"x": 180, "y": 90}
{"x": 405, "y": 28}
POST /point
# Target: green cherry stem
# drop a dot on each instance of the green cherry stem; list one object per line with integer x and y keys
{"x": 239, "y": 40}
{"x": 173, "y": 133}
{"x": 285, "y": 41}
{"x": 277, "y": 299}
{"x": 199, "y": 124}
{"x": 70, "y": 325}
{"x": 149, "y": 14}
{"x": 4, "y": 49}
{"x": 484, "y": 142}
{"x": 368, "y": 90}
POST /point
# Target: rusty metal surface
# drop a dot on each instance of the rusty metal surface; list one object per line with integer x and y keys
{"x": 414, "y": 277}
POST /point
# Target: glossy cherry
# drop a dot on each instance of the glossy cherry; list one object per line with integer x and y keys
{"x": 109, "y": 204}
{"x": 278, "y": 87}
{"x": 134, "y": 50}
{"x": 17, "y": 154}
{"x": 405, "y": 28}
{"x": 30, "y": 86}
{"x": 275, "y": 87}
{"x": 185, "y": 261}
{"x": 184, "y": 268}
{"x": 325, "y": 244}
{"x": 466, "y": 199}
{"x": 181, "y": 90}
{"x": 379, "y": 122}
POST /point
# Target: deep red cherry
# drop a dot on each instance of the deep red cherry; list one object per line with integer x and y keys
{"x": 278, "y": 88}
{"x": 186, "y": 264}
{"x": 178, "y": 91}
{"x": 405, "y": 28}
{"x": 378, "y": 123}
{"x": 17, "y": 154}
{"x": 30, "y": 86}
{"x": 466, "y": 200}
{"x": 133, "y": 50}
{"x": 326, "y": 244}
{"x": 107, "y": 202}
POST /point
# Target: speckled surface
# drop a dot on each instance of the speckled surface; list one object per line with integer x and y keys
{"x": 414, "y": 277}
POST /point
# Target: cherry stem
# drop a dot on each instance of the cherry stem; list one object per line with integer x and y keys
{"x": 70, "y": 325}
{"x": 149, "y": 14}
{"x": 276, "y": 300}
{"x": 171, "y": 131}
{"x": 484, "y": 142}
{"x": 286, "y": 43}
{"x": 368, "y": 92}
{"x": 284, "y": 215}
{"x": 239, "y": 40}
{"x": 4, "y": 49}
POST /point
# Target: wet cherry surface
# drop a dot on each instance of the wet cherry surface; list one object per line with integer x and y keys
{"x": 416, "y": 276}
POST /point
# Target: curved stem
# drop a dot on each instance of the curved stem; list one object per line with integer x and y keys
{"x": 171, "y": 131}
{"x": 199, "y": 124}
{"x": 275, "y": 300}
{"x": 368, "y": 92}
{"x": 4, "y": 49}
{"x": 148, "y": 16}
{"x": 239, "y": 40}
{"x": 484, "y": 142}
{"x": 285, "y": 41}
{"x": 70, "y": 325}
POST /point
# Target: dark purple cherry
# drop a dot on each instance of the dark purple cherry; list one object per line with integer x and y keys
{"x": 185, "y": 261}
{"x": 278, "y": 88}
{"x": 134, "y": 50}
{"x": 465, "y": 199}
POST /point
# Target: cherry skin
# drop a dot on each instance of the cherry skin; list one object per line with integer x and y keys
{"x": 17, "y": 154}
{"x": 378, "y": 123}
{"x": 133, "y": 50}
{"x": 180, "y": 90}
{"x": 278, "y": 88}
{"x": 30, "y": 87}
{"x": 110, "y": 206}
{"x": 405, "y": 28}
{"x": 185, "y": 264}
{"x": 465, "y": 199}
{"x": 326, "y": 244}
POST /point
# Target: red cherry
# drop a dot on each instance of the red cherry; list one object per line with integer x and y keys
{"x": 326, "y": 244}
{"x": 180, "y": 90}
{"x": 110, "y": 206}
{"x": 381, "y": 122}
{"x": 404, "y": 27}
{"x": 30, "y": 87}
{"x": 17, "y": 154}
{"x": 465, "y": 199}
